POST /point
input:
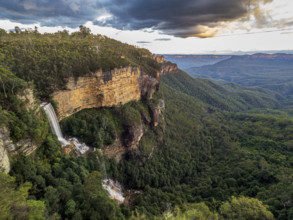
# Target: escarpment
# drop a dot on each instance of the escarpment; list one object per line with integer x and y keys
{"x": 115, "y": 88}
{"x": 104, "y": 89}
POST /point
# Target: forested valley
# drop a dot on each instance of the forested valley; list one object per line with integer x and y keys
{"x": 223, "y": 151}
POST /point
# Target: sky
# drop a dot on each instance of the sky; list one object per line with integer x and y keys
{"x": 165, "y": 26}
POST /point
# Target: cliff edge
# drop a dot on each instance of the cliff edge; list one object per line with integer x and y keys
{"x": 104, "y": 89}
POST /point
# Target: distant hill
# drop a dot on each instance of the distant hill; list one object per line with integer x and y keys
{"x": 270, "y": 71}
{"x": 185, "y": 62}
{"x": 226, "y": 96}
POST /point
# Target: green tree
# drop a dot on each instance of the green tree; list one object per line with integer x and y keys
{"x": 245, "y": 208}
{"x": 197, "y": 211}
{"x": 14, "y": 203}
{"x": 97, "y": 204}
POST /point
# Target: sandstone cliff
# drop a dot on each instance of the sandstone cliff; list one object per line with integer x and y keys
{"x": 4, "y": 159}
{"x": 104, "y": 89}
{"x": 167, "y": 67}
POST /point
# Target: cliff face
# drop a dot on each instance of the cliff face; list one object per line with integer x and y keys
{"x": 4, "y": 159}
{"x": 104, "y": 89}
{"x": 8, "y": 147}
{"x": 25, "y": 146}
{"x": 157, "y": 111}
{"x": 130, "y": 143}
{"x": 168, "y": 68}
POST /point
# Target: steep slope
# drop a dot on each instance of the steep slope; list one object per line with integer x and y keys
{"x": 209, "y": 156}
{"x": 225, "y": 96}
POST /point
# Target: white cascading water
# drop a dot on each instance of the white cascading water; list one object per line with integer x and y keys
{"x": 113, "y": 188}
{"x": 50, "y": 112}
{"x": 54, "y": 123}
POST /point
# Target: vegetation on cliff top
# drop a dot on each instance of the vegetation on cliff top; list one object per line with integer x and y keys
{"x": 48, "y": 59}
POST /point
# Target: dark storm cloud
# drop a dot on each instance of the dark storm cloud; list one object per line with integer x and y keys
{"x": 175, "y": 17}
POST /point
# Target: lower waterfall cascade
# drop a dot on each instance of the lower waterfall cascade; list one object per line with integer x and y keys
{"x": 113, "y": 187}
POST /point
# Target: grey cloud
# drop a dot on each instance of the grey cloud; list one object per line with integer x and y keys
{"x": 143, "y": 42}
{"x": 163, "y": 39}
{"x": 50, "y": 12}
{"x": 174, "y": 17}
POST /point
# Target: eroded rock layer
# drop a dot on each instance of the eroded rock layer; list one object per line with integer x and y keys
{"x": 104, "y": 89}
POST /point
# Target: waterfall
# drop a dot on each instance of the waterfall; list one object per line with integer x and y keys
{"x": 54, "y": 122}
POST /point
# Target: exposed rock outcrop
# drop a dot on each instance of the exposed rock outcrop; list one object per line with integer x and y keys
{"x": 158, "y": 58}
{"x": 157, "y": 111}
{"x": 7, "y": 147}
{"x": 134, "y": 136}
{"x": 116, "y": 150}
{"x": 4, "y": 159}
{"x": 104, "y": 89}
{"x": 25, "y": 146}
{"x": 27, "y": 96}
{"x": 129, "y": 144}
{"x": 166, "y": 66}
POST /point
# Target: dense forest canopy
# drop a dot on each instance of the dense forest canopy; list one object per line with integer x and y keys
{"x": 223, "y": 151}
